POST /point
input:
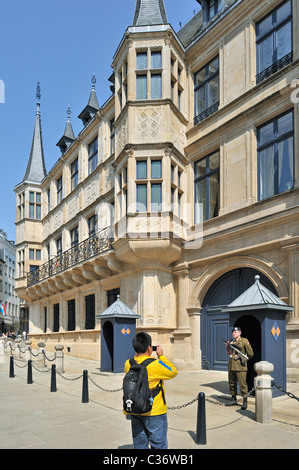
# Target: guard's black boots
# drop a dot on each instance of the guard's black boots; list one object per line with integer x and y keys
{"x": 244, "y": 406}
{"x": 234, "y": 402}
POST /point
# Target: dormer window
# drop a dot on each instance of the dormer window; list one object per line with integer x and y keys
{"x": 210, "y": 8}
{"x": 214, "y": 6}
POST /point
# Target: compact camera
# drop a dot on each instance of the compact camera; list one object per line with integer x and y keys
{"x": 154, "y": 348}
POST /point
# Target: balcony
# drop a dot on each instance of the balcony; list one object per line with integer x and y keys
{"x": 206, "y": 113}
{"x": 84, "y": 251}
{"x": 283, "y": 62}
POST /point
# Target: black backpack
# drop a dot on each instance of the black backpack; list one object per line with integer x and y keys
{"x": 137, "y": 396}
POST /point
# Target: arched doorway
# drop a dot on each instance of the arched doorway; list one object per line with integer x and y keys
{"x": 215, "y": 323}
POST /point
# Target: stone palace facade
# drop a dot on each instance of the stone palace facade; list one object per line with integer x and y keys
{"x": 177, "y": 192}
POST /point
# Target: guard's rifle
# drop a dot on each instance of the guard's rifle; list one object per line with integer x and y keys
{"x": 243, "y": 357}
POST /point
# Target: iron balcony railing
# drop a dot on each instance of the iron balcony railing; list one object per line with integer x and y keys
{"x": 206, "y": 113}
{"x": 93, "y": 246}
{"x": 286, "y": 60}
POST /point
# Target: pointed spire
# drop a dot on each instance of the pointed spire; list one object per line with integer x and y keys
{"x": 68, "y": 137}
{"x": 149, "y": 12}
{"x": 92, "y": 108}
{"x": 36, "y": 168}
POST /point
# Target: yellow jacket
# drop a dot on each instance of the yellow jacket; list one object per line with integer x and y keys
{"x": 160, "y": 369}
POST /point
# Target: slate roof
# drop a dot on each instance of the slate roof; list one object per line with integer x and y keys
{"x": 36, "y": 168}
{"x": 67, "y": 138}
{"x": 118, "y": 309}
{"x": 92, "y": 107}
{"x": 149, "y": 12}
{"x": 257, "y": 297}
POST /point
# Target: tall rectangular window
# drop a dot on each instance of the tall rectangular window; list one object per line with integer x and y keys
{"x": 71, "y": 315}
{"x": 59, "y": 189}
{"x": 56, "y": 318}
{"x": 90, "y": 318}
{"x": 214, "y": 6}
{"x": 92, "y": 225}
{"x": 74, "y": 236}
{"x": 156, "y": 60}
{"x": 59, "y": 246}
{"x": 74, "y": 174}
{"x": 274, "y": 43}
{"x": 276, "y": 156}
{"x": 112, "y": 137}
{"x": 207, "y": 186}
{"x": 156, "y": 86}
{"x": 141, "y": 169}
{"x": 141, "y": 92}
{"x": 35, "y": 208}
{"x": 92, "y": 156}
{"x": 141, "y": 197}
{"x": 206, "y": 90}
{"x": 141, "y": 61}
{"x": 156, "y": 169}
{"x": 156, "y": 197}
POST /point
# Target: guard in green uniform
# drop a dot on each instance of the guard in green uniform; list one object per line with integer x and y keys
{"x": 237, "y": 366}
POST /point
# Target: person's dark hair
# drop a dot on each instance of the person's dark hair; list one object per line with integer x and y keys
{"x": 141, "y": 342}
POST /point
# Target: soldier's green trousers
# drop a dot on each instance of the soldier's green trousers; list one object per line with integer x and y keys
{"x": 235, "y": 376}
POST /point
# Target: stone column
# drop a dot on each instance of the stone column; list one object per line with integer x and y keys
{"x": 18, "y": 345}
{"x": 59, "y": 358}
{"x": 182, "y": 335}
{"x": 28, "y": 349}
{"x": 263, "y": 392}
{"x": 41, "y": 356}
{"x": 293, "y": 283}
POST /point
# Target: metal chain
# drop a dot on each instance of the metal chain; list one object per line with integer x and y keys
{"x": 20, "y": 367}
{"x": 291, "y": 395}
{"x": 34, "y": 355}
{"x": 46, "y": 370}
{"x": 48, "y": 359}
{"x": 182, "y": 406}
{"x": 67, "y": 378}
{"x": 104, "y": 389}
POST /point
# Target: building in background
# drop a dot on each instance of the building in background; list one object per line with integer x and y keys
{"x": 10, "y": 321}
{"x": 177, "y": 192}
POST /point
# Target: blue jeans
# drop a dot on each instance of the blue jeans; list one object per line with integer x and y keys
{"x": 149, "y": 430}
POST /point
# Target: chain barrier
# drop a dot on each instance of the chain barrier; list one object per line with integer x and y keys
{"x": 20, "y": 367}
{"x": 48, "y": 359}
{"x": 32, "y": 353}
{"x": 290, "y": 395}
{"x": 104, "y": 389}
{"x": 170, "y": 408}
{"x": 68, "y": 378}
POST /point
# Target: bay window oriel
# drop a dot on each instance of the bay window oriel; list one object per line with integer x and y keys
{"x": 148, "y": 185}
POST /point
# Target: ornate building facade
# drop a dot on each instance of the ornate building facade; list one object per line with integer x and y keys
{"x": 177, "y": 192}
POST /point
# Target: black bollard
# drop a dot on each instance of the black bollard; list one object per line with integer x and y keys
{"x": 201, "y": 435}
{"x": 11, "y": 367}
{"x": 29, "y": 372}
{"x": 53, "y": 378}
{"x": 85, "y": 398}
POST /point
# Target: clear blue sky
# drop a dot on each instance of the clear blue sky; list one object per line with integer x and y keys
{"x": 61, "y": 43}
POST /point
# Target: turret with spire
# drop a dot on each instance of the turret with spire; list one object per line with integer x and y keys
{"x": 92, "y": 108}
{"x": 68, "y": 137}
{"x": 36, "y": 168}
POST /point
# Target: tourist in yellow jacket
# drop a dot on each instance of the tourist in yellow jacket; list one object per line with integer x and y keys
{"x": 151, "y": 428}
